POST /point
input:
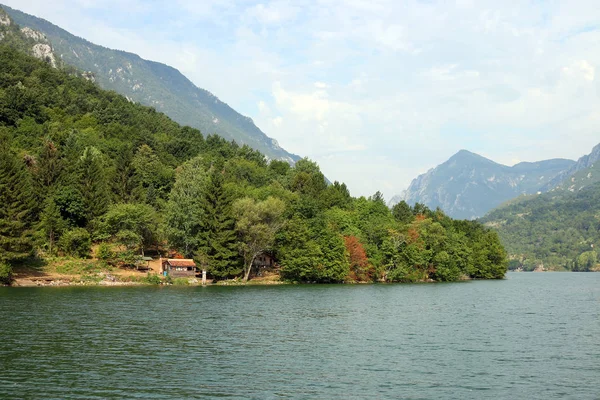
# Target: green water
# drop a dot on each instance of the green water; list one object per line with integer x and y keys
{"x": 528, "y": 336}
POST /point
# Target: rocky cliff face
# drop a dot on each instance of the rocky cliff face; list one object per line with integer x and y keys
{"x": 153, "y": 84}
{"x": 468, "y": 185}
{"x": 583, "y": 173}
{"x": 26, "y": 39}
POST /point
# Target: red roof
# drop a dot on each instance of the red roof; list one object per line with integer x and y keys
{"x": 177, "y": 262}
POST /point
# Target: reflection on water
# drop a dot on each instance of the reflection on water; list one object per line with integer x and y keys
{"x": 529, "y": 336}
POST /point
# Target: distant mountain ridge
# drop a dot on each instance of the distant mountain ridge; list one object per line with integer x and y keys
{"x": 585, "y": 172}
{"x": 468, "y": 185}
{"x": 154, "y": 84}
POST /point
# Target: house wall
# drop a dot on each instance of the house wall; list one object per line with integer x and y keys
{"x": 181, "y": 274}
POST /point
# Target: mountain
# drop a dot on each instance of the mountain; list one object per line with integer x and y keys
{"x": 468, "y": 185}
{"x": 584, "y": 172}
{"x": 25, "y": 39}
{"x": 154, "y": 84}
{"x": 558, "y": 229}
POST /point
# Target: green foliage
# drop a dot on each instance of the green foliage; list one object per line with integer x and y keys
{"x": 95, "y": 162}
{"x": 17, "y": 206}
{"x": 180, "y": 282}
{"x": 133, "y": 225}
{"x": 154, "y": 177}
{"x": 6, "y": 273}
{"x": 402, "y": 212}
{"x": 586, "y": 261}
{"x": 152, "y": 279}
{"x": 105, "y": 252}
{"x": 93, "y": 184}
{"x": 77, "y": 243}
{"x": 552, "y": 229}
{"x": 218, "y": 239}
{"x": 179, "y": 98}
{"x": 256, "y": 226}
{"x": 184, "y": 213}
{"x": 312, "y": 254}
{"x": 52, "y": 224}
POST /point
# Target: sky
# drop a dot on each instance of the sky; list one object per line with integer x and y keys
{"x": 375, "y": 91}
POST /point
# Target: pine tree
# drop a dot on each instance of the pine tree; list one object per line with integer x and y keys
{"x": 16, "y": 207}
{"x": 218, "y": 240}
{"x": 52, "y": 223}
{"x": 49, "y": 168}
{"x": 93, "y": 183}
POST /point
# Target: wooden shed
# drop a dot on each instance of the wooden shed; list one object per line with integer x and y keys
{"x": 179, "y": 268}
{"x": 264, "y": 261}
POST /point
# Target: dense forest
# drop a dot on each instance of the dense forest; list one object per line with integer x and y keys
{"x": 559, "y": 229}
{"x": 82, "y": 169}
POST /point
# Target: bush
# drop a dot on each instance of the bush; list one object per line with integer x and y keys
{"x": 76, "y": 242}
{"x": 6, "y": 273}
{"x": 105, "y": 252}
{"x": 152, "y": 279}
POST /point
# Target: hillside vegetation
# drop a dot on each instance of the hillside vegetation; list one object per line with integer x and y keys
{"x": 82, "y": 166}
{"x": 559, "y": 229}
{"x": 154, "y": 84}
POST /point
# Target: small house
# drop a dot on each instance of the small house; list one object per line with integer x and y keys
{"x": 179, "y": 268}
{"x": 264, "y": 261}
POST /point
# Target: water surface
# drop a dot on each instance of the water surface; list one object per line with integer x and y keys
{"x": 528, "y": 336}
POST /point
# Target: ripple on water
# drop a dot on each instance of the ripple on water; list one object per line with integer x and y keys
{"x": 530, "y": 336}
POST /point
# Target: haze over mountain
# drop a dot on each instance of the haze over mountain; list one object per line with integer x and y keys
{"x": 154, "y": 84}
{"x": 469, "y": 185}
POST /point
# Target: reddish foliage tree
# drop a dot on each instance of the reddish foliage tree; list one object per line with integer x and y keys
{"x": 413, "y": 235}
{"x": 360, "y": 268}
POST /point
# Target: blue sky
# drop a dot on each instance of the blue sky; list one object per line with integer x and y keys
{"x": 376, "y": 91}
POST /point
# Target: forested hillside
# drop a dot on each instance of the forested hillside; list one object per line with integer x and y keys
{"x": 153, "y": 84}
{"x": 559, "y": 229}
{"x": 80, "y": 166}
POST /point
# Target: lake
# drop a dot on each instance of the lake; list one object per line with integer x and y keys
{"x": 532, "y": 335}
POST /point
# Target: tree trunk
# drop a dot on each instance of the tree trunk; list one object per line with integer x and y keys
{"x": 249, "y": 268}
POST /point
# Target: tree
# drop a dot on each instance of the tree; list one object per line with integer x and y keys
{"x": 360, "y": 268}
{"x": 184, "y": 212}
{"x": 52, "y": 223}
{"x": 256, "y": 225}
{"x": 586, "y": 261}
{"x": 218, "y": 236}
{"x": 155, "y": 177}
{"x": 49, "y": 167}
{"x": 307, "y": 179}
{"x": 420, "y": 209}
{"x": 310, "y": 251}
{"x": 76, "y": 242}
{"x": 93, "y": 183}
{"x": 336, "y": 195}
{"x": 136, "y": 225}
{"x": 402, "y": 212}
{"x": 16, "y": 206}
{"x": 489, "y": 257}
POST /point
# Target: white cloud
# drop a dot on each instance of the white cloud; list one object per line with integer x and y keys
{"x": 582, "y": 69}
